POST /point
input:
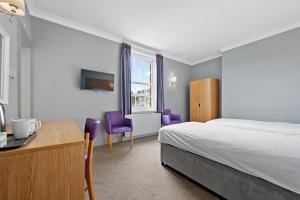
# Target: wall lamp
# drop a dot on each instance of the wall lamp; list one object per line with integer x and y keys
{"x": 173, "y": 80}
{"x": 13, "y": 7}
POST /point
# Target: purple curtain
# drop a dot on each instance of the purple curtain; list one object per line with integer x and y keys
{"x": 126, "y": 79}
{"x": 160, "y": 83}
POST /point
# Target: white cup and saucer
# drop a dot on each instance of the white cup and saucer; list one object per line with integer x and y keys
{"x": 23, "y": 128}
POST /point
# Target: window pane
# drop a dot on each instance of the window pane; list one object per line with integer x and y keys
{"x": 148, "y": 103}
{"x": 141, "y": 99}
{"x": 141, "y": 83}
{"x": 141, "y": 69}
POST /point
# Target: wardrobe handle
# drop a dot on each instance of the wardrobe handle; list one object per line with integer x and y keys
{"x": 199, "y": 104}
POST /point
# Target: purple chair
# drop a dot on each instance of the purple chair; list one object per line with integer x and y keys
{"x": 115, "y": 124}
{"x": 167, "y": 118}
{"x": 90, "y": 130}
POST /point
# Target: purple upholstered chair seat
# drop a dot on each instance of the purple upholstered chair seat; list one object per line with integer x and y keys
{"x": 120, "y": 129}
{"x": 167, "y": 118}
{"x": 175, "y": 121}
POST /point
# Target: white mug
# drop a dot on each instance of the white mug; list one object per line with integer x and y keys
{"x": 22, "y": 128}
{"x": 35, "y": 125}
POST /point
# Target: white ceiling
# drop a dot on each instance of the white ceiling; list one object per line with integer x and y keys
{"x": 189, "y": 31}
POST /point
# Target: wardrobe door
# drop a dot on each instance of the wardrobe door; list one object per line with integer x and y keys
{"x": 204, "y": 100}
{"x": 195, "y": 100}
{"x": 214, "y": 96}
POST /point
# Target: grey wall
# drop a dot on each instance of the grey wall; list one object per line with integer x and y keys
{"x": 58, "y": 55}
{"x": 12, "y": 28}
{"x": 208, "y": 69}
{"x": 17, "y": 29}
{"x": 268, "y": 68}
{"x": 177, "y": 96}
{"x": 261, "y": 80}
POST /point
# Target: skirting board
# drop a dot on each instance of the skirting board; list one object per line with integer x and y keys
{"x": 102, "y": 142}
{"x": 222, "y": 180}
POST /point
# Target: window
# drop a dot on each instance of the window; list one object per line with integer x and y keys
{"x": 143, "y": 82}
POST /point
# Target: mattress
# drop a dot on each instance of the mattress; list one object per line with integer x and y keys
{"x": 267, "y": 150}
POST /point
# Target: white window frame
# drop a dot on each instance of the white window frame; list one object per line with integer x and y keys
{"x": 4, "y": 66}
{"x": 153, "y": 81}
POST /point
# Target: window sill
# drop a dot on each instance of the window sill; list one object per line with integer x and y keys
{"x": 144, "y": 112}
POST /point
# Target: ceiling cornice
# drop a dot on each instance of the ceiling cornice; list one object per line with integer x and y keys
{"x": 34, "y": 11}
{"x": 69, "y": 23}
{"x": 261, "y": 37}
{"x": 217, "y": 55}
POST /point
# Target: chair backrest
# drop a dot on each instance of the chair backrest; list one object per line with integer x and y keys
{"x": 115, "y": 117}
{"x": 91, "y": 126}
{"x": 90, "y": 131}
{"x": 167, "y": 112}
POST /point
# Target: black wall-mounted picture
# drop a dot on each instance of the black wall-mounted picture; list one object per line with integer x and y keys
{"x": 93, "y": 80}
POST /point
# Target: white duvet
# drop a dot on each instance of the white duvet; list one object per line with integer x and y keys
{"x": 268, "y": 150}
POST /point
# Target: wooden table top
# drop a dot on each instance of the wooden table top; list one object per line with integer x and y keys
{"x": 52, "y": 134}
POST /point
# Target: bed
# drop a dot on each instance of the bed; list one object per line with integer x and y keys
{"x": 237, "y": 159}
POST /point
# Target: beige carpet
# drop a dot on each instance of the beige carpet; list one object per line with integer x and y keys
{"x": 137, "y": 174}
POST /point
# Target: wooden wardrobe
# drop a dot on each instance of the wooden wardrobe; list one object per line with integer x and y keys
{"x": 204, "y": 100}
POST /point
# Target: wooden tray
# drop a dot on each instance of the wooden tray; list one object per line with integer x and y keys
{"x": 12, "y": 143}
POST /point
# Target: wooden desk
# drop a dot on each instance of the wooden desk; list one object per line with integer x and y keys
{"x": 50, "y": 166}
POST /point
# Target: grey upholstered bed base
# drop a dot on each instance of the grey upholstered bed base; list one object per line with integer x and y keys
{"x": 223, "y": 180}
